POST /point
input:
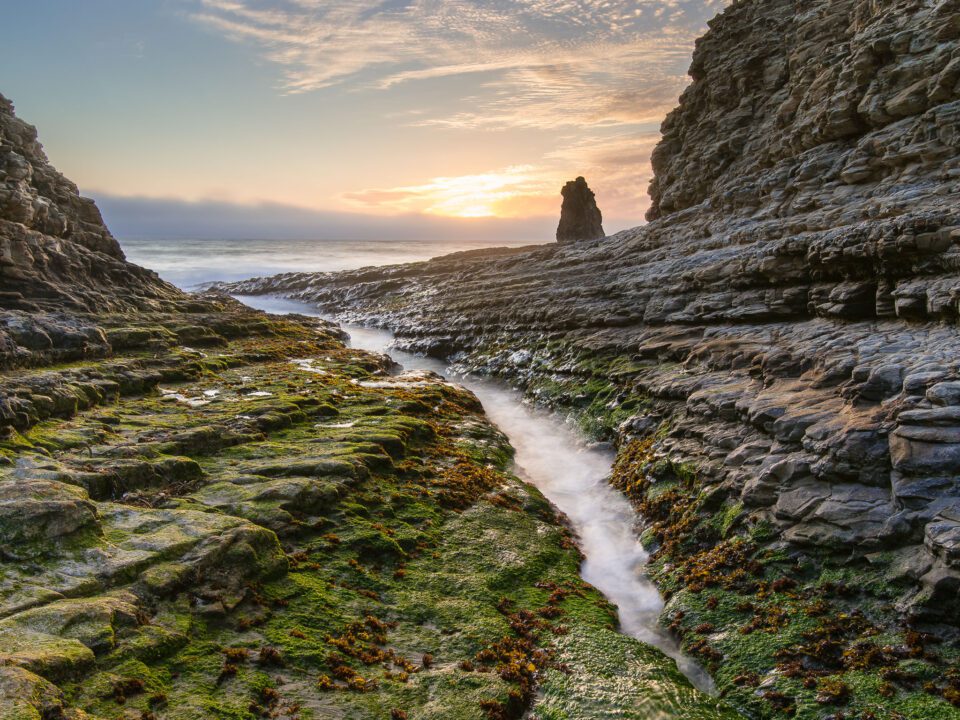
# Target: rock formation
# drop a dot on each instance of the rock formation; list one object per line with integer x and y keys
{"x": 208, "y": 512}
{"x": 580, "y": 218}
{"x": 54, "y": 248}
{"x": 775, "y": 354}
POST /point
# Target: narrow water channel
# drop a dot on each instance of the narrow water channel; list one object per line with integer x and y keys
{"x": 573, "y": 476}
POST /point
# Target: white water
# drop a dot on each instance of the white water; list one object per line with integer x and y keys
{"x": 572, "y": 475}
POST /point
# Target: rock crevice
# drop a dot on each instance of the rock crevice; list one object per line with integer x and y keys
{"x": 784, "y": 330}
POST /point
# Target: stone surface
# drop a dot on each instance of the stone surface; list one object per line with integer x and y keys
{"x": 208, "y": 512}
{"x": 580, "y": 218}
{"x": 785, "y": 327}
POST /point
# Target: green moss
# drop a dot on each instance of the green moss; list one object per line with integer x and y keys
{"x": 781, "y": 637}
{"x": 726, "y": 517}
{"x": 282, "y": 523}
{"x": 606, "y": 667}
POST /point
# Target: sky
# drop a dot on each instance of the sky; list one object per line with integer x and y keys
{"x": 349, "y": 119}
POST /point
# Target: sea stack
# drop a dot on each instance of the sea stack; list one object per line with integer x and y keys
{"x": 580, "y": 218}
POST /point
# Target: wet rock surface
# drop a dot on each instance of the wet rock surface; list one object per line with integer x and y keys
{"x": 783, "y": 332}
{"x": 209, "y": 512}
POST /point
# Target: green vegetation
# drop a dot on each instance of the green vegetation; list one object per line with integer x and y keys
{"x": 784, "y": 634}
{"x": 274, "y": 527}
{"x": 793, "y": 635}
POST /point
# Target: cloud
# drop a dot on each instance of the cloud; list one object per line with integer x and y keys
{"x": 619, "y": 166}
{"x": 544, "y": 63}
{"x": 595, "y": 76}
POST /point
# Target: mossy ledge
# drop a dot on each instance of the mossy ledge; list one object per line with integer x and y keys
{"x": 210, "y": 513}
{"x": 277, "y": 526}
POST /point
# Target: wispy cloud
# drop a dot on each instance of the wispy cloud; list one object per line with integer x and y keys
{"x": 597, "y": 74}
{"x": 602, "y": 59}
{"x": 619, "y": 165}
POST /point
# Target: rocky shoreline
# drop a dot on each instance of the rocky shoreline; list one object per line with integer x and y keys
{"x": 774, "y": 354}
{"x": 210, "y": 512}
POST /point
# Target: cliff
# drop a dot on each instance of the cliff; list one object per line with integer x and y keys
{"x": 209, "y": 512}
{"x": 55, "y": 251}
{"x": 775, "y": 353}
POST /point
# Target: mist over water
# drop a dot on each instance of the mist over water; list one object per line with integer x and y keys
{"x": 188, "y": 263}
{"x": 572, "y": 475}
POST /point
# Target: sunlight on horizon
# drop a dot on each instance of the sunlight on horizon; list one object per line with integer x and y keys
{"x": 415, "y": 109}
{"x": 512, "y": 192}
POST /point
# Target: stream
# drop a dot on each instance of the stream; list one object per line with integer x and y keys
{"x": 573, "y": 475}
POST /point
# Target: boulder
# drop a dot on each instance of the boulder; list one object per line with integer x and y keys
{"x": 42, "y": 511}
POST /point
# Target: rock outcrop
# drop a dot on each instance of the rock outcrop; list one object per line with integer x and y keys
{"x": 208, "y": 512}
{"x": 580, "y": 218}
{"x": 55, "y": 251}
{"x": 775, "y": 352}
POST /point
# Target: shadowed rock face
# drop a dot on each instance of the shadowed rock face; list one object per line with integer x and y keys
{"x": 829, "y": 111}
{"x": 580, "y": 218}
{"x": 787, "y": 322}
{"x": 55, "y": 251}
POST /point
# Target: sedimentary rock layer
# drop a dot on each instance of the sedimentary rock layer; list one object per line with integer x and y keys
{"x": 784, "y": 329}
{"x": 207, "y": 512}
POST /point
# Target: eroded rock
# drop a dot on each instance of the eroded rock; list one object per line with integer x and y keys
{"x": 580, "y": 218}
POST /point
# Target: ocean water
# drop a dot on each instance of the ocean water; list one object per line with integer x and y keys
{"x": 188, "y": 263}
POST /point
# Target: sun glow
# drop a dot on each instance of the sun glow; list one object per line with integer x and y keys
{"x": 475, "y": 211}
{"x": 511, "y": 192}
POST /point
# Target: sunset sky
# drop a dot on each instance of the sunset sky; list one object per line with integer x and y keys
{"x": 407, "y": 114}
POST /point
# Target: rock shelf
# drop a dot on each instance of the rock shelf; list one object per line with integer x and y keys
{"x": 775, "y": 353}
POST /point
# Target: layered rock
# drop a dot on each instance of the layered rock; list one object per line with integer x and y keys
{"x": 580, "y": 218}
{"x": 207, "y": 512}
{"x": 786, "y": 325}
{"x": 835, "y": 112}
{"x": 55, "y": 251}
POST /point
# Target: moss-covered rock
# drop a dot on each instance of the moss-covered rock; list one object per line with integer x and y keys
{"x": 278, "y": 526}
{"x": 35, "y": 514}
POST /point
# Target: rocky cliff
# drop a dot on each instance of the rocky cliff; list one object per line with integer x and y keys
{"x": 208, "y": 512}
{"x": 55, "y": 251}
{"x": 775, "y": 353}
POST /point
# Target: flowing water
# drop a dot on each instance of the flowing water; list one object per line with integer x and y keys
{"x": 572, "y": 475}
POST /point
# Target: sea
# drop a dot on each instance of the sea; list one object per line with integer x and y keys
{"x": 189, "y": 263}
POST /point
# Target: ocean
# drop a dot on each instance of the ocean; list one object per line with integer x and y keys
{"x": 188, "y": 263}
